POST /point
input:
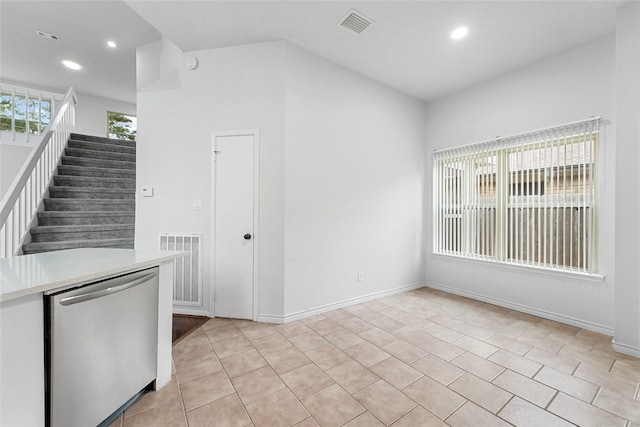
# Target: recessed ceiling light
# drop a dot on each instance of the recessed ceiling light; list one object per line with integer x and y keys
{"x": 459, "y": 33}
{"x": 47, "y": 35}
{"x": 112, "y": 44}
{"x": 71, "y": 64}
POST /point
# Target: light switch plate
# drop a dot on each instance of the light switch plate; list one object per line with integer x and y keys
{"x": 147, "y": 192}
{"x": 197, "y": 205}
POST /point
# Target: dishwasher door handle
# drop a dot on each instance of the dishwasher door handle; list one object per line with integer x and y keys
{"x": 103, "y": 292}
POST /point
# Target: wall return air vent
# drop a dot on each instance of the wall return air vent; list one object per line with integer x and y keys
{"x": 356, "y": 22}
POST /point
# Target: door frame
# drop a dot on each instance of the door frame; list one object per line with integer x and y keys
{"x": 256, "y": 214}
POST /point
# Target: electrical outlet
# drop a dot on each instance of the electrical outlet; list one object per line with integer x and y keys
{"x": 360, "y": 276}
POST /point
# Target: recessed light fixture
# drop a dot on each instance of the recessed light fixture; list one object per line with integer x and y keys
{"x": 459, "y": 33}
{"x": 47, "y": 35}
{"x": 71, "y": 64}
{"x": 112, "y": 44}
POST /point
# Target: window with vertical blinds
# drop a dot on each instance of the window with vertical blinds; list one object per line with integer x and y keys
{"x": 527, "y": 200}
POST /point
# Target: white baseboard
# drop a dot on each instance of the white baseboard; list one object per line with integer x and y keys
{"x": 526, "y": 309}
{"x": 630, "y": 350}
{"x": 270, "y": 318}
{"x": 341, "y": 304}
{"x": 190, "y": 311}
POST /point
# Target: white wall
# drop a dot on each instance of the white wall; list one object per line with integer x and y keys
{"x": 91, "y": 113}
{"x": 354, "y": 160}
{"x": 572, "y": 85}
{"x": 178, "y": 109}
{"x": 12, "y": 157}
{"x": 627, "y": 202}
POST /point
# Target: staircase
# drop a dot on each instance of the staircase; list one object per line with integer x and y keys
{"x": 91, "y": 201}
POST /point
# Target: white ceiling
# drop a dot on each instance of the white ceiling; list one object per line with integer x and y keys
{"x": 408, "y": 47}
{"x": 83, "y": 28}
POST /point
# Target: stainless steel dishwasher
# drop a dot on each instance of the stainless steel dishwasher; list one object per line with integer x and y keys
{"x": 101, "y": 344}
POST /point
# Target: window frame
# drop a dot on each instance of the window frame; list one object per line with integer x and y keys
{"x": 466, "y": 207}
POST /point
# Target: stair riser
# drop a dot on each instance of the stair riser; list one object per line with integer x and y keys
{"x": 86, "y": 235}
{"x": 85, "y": 205}
{"x": 98, "y": 163}
{"x": 71, "y": 181}
{"x": 28, "y": 251}
{"x": 91, "y": 138}
{"x": 89, "y": 194}
{"x": 102, "y": 155}
{"x": 88, "y": 220}
{"x": 102, "y": 147}
{"x": 73, "y": 170}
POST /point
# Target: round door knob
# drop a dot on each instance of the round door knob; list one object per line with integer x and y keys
{"x": 247, "y": 236}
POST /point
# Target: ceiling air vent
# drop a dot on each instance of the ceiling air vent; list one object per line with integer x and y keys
{"x": 356, "y": 22}
{"x": 47, "y": 35}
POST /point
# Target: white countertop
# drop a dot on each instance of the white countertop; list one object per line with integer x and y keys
{"x": 30, "y": 274}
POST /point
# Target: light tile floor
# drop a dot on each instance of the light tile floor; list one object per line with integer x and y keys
{"x": 421, "y": 358}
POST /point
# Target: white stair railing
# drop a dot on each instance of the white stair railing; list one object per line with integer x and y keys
{"x": 21, "y": 203}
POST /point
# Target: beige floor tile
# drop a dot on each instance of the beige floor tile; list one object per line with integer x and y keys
{"x": 227, "y": 411}
{"x": 516, "y": 363}
{"x": 471, "y": 414}
{"x": 396, "y": 372}
{"x": 481, "y": 392}
{"x": 561, "y": 363}
{"x": 343, "y": 339}
{"x": 279, "y": 409}
{"x": 324, "y": 326}
{"x": 205, "y": 389}
{"x": 566, "y": 338}
{"x": 306, "y": 379}
{"x": 609, "y": 380}
{"x": 587, "y": 357}
{"x": 338, "y": 315}
{"x": 191, "y": 348}
{"x": 343, "y": 407}
{"x": 257, "y": 330}
{"x": 387, "y": 324}
{"x": 198, "y": 367}
{"x": 478, "y": 366}
{"x": 243, "y": 323}
{"x": 327, "y": 356}
{"x": 308, "y": 341}
{"x": 366, "y": 353}
{"x": 241, "y": 363}
{"x": 526, "y": 388}
{"x": 270, "y": 342}
{"x": 475, "y": 346}
{"x": 619, "y": 405}
{"x": 434, "y": 397}
{"x": 308, "y": 422}
{"x": 411, "y": 335}
{"x": 438, "y": 369}
{"x": 378, "y": 337}
{"x": 357, "y": 325}
{"x": 419, "y": 417}
{"x": 445, "y": 320}
{"x": 384, "y": 401}
{"x": 416, "y": 322}
{"x": 509, "y": 344}
{"x": 567, "y": 384}
{"x": 364, "y": 420}
{"x": 257, "y": 384}
{"x": 223, "y": 332}
{"x": 292, "y": 329}
{"x": 524, "y": 414}
{"x": 630, "y": 370}
{"x": 168, "y": 395}
{"x": 583, "y": 414}
{"x": 474, "y": 331}
{"x": 285, "y": 359}
{"x": 404, "y": 351}
{"x": 543, "y": 343}
{"x": 442, "y": 333}
{"x": 171, "y": 415}
{"x": 217, "y": 322}
{"x": 230, "y": 346}
{"x": 352, "y": 376}
{"x": 442, "y": 349}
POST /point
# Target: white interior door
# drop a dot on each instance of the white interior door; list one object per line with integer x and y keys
{"x": 234, "y": 225}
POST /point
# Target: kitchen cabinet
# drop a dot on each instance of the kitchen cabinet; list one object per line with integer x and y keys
{"x": 24, "y": 279}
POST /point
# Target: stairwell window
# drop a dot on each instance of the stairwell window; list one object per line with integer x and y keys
{"x": 121, "y": 126}
{"x": 528, "y": 200}
{"x": 22, "y": 113}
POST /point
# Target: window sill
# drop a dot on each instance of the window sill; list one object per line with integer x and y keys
{"x": 574, "y": 275}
